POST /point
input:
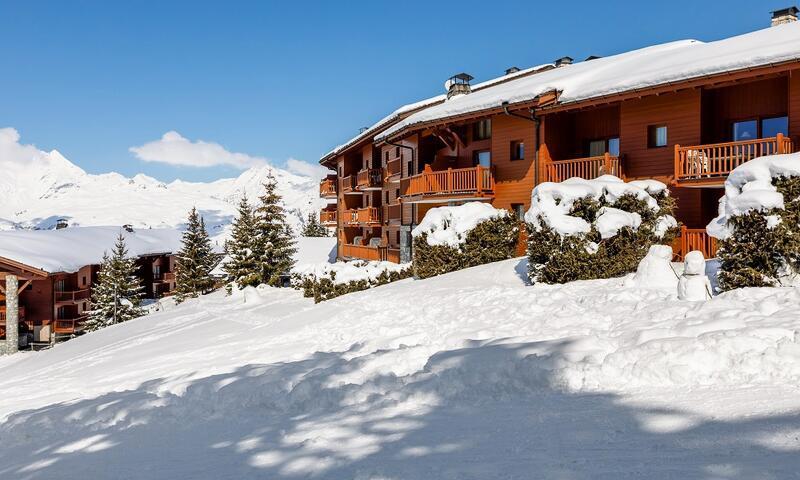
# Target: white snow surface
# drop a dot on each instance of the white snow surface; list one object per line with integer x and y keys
{"x": 470, "y": 375}
{"x": 450, "y": 225}
{"x": 69, "y": 249}
{"x": 749, "y": 188}
{"x": 638, "y": 69}
{"x": 352, "y": 271}
{"x": 551, "y": 203}
{"x": 39, "y": 188}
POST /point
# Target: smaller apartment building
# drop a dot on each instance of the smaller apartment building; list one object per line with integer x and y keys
{"x": 685, "y": 113}
{"x": 57, "y": 269}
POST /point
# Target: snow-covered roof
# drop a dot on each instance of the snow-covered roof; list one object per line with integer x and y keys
{"x": 398, "y": 114}
{"x": 635, "y": 70}
{"x": 69, "y": 249}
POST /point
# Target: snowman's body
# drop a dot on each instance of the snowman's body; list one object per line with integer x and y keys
{"x": 694, "y": 284}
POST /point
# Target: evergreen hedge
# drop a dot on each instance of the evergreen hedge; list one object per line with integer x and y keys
{"x": 760, "y": 252}
{"x": 490, "y": 241}
{"x": 323, "y": 287}
{"x": 556, "y": 259}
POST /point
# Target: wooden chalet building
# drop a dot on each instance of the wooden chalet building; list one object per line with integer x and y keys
{"x": 57, "y": 269}
{"x": 685, "y": 113}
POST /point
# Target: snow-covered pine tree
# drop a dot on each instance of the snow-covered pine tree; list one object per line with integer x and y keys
{"x": 313, "y": 228}
{"x": 117, "y": 296}
{"x": 195, "y": 260}
{"x": 274, "y": 242}
{"x": 241, "y": 265}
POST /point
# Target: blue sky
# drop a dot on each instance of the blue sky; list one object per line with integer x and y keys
{"x": 280, "y": 80}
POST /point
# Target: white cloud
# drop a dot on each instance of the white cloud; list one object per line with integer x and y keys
{"x": 11, "y": 151}
{"x": 174, "y": 149}
{"x": 300, "y": 167}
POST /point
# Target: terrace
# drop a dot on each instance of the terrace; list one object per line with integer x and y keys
{"x": 474, "y": 183}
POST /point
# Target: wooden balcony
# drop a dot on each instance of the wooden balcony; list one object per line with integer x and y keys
{"x": 328, "y": 218}
{"x": 587, "y": 168}
{"x": 72, "y": 296}
{"x": 474, "y": 183}
{"x": 68, "y": 326}
{"x": 366, "y": 216}
{"x": 347, "y": 185}
{"x": 366, "y": 252}
{"x": 393, "y": 170}
{"x": 370, "y": 179}
{"x": 696, "y": 239}
{"x": 393, "y": 213}
{"x": 3, "y": 314}
{"x": 709, "y": 165}
{"x": 165, "y": 277}
{"x": 327, "y": 187}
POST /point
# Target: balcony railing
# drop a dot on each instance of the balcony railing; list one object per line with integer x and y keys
{"x": 327, "y": 187}
{"x": 72, "y": 296}
{"x": 327, "y": 217}
{"x": 371, "y": 179}
{"x": 366, "y": 252}
{"x": 393, "y": 213}
{"x": 165, "y": 277}
{"x": 21, "y": 313}
{"x": 460, "y": 182}
{"x": 697, "y": 239}
{"x": 713, "y": 162}
{"x": 68, "y": 326}
{"x": 362, "y": 216}
{"x": 587, "y": 168}
{"x": 393, "y": 170}
{"x": 348, "y": 184}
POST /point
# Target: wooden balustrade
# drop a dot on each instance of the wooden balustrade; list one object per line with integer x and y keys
{"x": 370, "y": 179}
{"x": 587, "y": 168}
{"x": 72, "y": 296}
{"x": 359, "y": 216}
{"x": 364, "y": 252}
{"x": 697, "y": 239}
{"x": 348, "y": 184}
{"x": 68, "y": 325}
{"x": 327, "y": 187}
{"x": 476, "y": 181}
{"x": 390, "y": 254}
{"x": 393, "y": 169}
{"x": 327, "y": 217}
{"x": 713, "y": 162}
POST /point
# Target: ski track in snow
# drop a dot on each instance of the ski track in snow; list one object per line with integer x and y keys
{"x": 471, "y": 375}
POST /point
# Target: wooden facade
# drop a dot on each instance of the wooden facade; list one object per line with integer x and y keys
{"x": 689, "y": 135}
{"x": 55, "y": 304}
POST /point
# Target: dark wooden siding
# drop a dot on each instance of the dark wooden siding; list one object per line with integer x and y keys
{"x": 513, "y": 178}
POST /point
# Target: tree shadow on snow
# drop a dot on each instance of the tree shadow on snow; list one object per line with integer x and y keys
{"x": 488, "y": 410}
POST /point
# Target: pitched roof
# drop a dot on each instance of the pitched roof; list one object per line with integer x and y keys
{"x": 69, "y": 249}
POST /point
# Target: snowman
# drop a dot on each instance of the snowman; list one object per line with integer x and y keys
{"x": 693, "y": 284}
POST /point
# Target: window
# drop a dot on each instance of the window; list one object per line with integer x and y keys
{"x": 656, "y": 136}
{"x": 482, "y": 158}
{"x": 341, "y": 172}
{"x": 386, "y": 155}
{"x": 60, "y": 284}
{"x": 83, "y": 280}
{"x": 745, "y": 130}
{"x": 396, "y": 152}
{"x": 482, "y": 130}
{"x": 613, "y": 146}
{"x": 597, "y": 148}
{"x": 387, "y": 196}
{"x": 517, "y": 150}
{"x": 156, "y": 271}
{"x": 771, "y": 127}
{"x": 519, "y": 210}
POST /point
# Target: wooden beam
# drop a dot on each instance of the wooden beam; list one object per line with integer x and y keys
{"x": 24, "y": 286}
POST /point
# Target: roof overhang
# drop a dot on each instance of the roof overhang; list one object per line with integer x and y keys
{"x": 20, "y": 270}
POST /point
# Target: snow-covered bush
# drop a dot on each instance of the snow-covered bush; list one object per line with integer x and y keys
{"x": 452, "y": 238}
{"x": 758, "y": 226}
{"x": 602, "y": 228}
{"x": 329, "y": 280}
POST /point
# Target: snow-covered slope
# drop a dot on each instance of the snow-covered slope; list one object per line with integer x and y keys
{"x": 39, "y": 188}
{"x": 471, "y": 375}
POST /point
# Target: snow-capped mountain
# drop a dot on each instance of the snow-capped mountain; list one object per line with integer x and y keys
{"x": 47, "y": 187}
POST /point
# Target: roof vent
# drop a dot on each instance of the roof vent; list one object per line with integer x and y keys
{"x": 128, "y": 228}
{"x": 511, "y": 70}
{"x": 563, "y": 61}
{"x": 784, "y": 15}
{"x": 592, "y": 57}
{"x": 458, "y": 85}
{"x": 61, "y": 224}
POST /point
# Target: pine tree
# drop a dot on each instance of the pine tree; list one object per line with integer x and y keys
{"x": 195, "y": 260}
{"x": 117, "y": 295}
{"x": 241, "y": 265}
{"x": 313, "y": 228}
{"x": 274, "y": 244}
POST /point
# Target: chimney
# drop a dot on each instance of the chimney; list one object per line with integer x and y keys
{"x": 784, "y": 15}
{"x": 511, "y": 70}
{"x": 458, "y": 85}
{"x": 61, "y": 224}
{"x": 128, "y": 228}
{"x": 563, "y": 61}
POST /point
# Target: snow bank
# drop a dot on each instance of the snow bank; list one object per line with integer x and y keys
{"x": 69, "y": 249}
{"x": 353, "y": 271}
{"x": 450, "y": 225}
{"x": 749, "y": 188}
{"x": 551, "y": 204}
{"x": 655, "y": 270}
